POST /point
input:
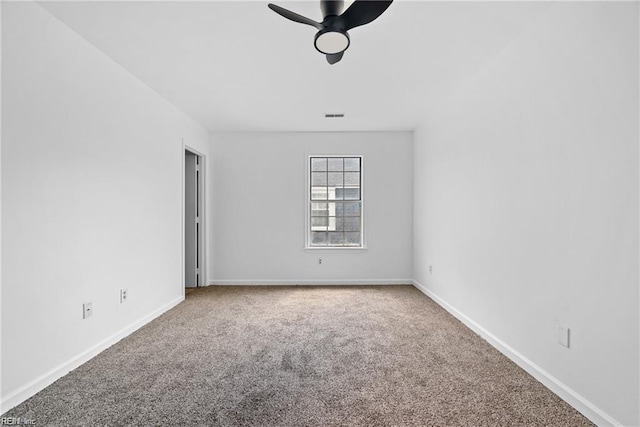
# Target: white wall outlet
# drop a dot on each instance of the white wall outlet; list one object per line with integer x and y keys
{"x": 563, "y": 333}
{"x": 319, "y": 261}
{"x": 124, "y": 293}
{"x": 87, "y": 310}
{"x": 430, "y": 269}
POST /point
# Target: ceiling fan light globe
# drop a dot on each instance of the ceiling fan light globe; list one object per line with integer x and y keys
{"x": 331, "y": 42}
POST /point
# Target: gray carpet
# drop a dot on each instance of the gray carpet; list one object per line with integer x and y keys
{"x": 300, "y": 356}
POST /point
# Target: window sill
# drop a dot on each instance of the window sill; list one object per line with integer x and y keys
{"x": 337, "y": 248}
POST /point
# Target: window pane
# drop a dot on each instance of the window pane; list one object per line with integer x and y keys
{"x": 350, "y": 209}
{"x": 335, "y": 179}
{"x": 352, "y": 194}
{"x": 319, "y": 223}
{"x": 318, "y": 163}
{"x": 336, "y": 237}
{"x": 335, "y": 193}
{"x": 318, "y": 178}
{"x": 319, "y": 238}
{"x": 352, "y": 178}
{"x": 339, "y": 224}
{"x": 332, "y": 208}
{"x": 352, "y": 239}
{"x": 319, "y": 209}
{"x": 318, "y": 193}
{"x": 333, "y": 224}
{"x": 351, "y": 223}
{"x": 352, "y": 164}
{"x": 336, "y": 164}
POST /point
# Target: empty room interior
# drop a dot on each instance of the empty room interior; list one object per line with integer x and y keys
{"x": 320, "y": 213}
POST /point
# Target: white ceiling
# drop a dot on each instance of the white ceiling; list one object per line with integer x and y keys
{"x": 238, "y": 66}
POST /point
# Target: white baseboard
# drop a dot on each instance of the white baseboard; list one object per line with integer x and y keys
{"x": 23, "y": 393}
{"x": 567, "y": 394}
{"x": 287, "y": 282}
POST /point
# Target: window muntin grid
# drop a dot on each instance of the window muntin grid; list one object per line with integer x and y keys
{"x": 335, "y": 201}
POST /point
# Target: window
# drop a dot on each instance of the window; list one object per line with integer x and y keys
{"x": 335, "y": 201}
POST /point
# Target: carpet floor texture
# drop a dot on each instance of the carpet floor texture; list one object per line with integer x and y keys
{"x": 300, "y": 356}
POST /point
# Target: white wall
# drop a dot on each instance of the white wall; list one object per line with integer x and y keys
{"x": 91, "y": 197}
{"x": 526, "y": 202}
{"x": 258, "y": 184}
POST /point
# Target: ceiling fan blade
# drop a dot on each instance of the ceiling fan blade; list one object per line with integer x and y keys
{"x": 294, "y": 16}
{"x": 336, "y": 57}
{"x": 362, "y": 12}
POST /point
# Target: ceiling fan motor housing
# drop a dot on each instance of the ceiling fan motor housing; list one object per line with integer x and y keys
{"x": 331, "y": 7}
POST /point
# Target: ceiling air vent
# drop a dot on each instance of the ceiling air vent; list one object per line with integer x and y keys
{"x": 334, "y": 115}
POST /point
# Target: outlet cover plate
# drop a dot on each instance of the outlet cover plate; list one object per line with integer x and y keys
{"x": 87, "y": 310}
{"x": 563, "y": 335}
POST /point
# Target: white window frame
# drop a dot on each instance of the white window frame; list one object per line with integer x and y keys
{"x": 307, "y": 222}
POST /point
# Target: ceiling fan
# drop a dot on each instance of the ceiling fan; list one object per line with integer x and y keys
{"x": 332, "y": 38}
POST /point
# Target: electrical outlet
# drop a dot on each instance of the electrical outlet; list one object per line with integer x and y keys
{"x": 430, "y": 269}
{"x": 123, "y": 295}
{"x": 563, "y": 333}
{"x": 319, "y": 261}
{"x": 87, "y": 310}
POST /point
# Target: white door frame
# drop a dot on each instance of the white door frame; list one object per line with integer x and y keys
{"x": 203, "y": 207}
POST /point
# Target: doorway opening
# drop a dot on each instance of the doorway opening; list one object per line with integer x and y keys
{"x": 193, "y": 224}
